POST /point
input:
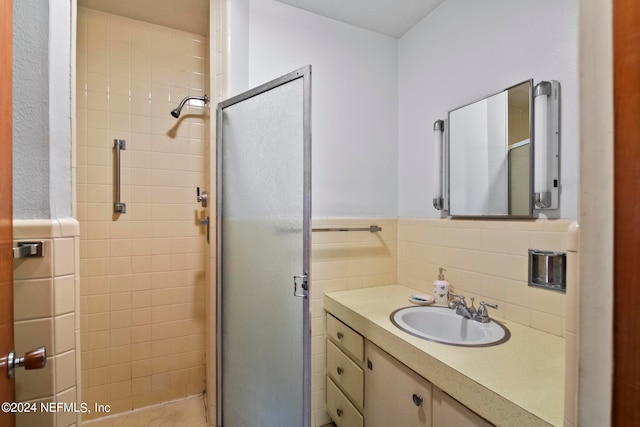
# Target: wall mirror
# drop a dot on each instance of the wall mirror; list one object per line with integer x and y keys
{"x": 490, "y": 155}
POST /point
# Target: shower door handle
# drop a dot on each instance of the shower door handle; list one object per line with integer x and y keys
{"x": 118, "y": 146}
{"x": 206, "y": 222}
{"x": 304, "y": 285}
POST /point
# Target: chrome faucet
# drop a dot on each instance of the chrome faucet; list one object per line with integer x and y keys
{"x": 480, "y": 315}
{"x": 461, "y": 306}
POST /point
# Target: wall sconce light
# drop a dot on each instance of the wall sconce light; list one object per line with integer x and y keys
{"x": 546, "y": 136}
{"x": 438, "y": 162}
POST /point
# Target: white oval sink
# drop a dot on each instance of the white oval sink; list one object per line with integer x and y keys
{"x": 443, "y": 325}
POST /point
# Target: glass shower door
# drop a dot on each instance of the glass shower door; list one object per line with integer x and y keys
{"x": 264, "y": 204}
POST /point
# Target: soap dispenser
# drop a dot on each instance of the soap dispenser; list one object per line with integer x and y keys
{"x": 441, "y": 289}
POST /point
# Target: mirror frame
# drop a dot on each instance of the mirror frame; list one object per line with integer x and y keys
{"x": 447, "y": 168}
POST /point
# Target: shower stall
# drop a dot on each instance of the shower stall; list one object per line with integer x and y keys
{"x": 150, "y": 328}
{"x": 143, "y": 255}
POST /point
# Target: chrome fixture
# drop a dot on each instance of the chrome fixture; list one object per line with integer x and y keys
{"x": 547, "y": 269}
{"x": 118, "y": 146}
{"x": 438, "y": 162}
{"x": 176, "y": 111}
{"x": 546, "y": 144}
{"x": 480, "y": 315}
{"x": 371, "y": 228}
{"x": 304, "y": 285}
{"x": 34, "y": 359}
{"x": 206, "y": 221}
{"x": 202, "y": 198}
{"x": 29, "y": 249}
{"x": 461, "y": 306}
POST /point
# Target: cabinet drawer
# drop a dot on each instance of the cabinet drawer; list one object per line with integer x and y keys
{"x": 344, "y": 372}
{"x": 341, "y": 410}
{"x": 346, "y": 338}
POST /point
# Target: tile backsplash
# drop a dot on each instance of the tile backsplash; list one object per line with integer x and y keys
{"x": 342, "y": 260}
{"x": 485, "y": 259}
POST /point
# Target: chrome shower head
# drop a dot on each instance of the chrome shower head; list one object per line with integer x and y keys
{"x": 176, "y": 111}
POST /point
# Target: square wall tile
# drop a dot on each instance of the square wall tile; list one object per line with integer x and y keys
{"x": 39, "y": 418}
{"x": 64, "y": 333}
{"x": 68, "y": 418}
{"x": 35, "y": 383}
{"x": 36, "y": 229}
{"x": 64, "y": 256}
{"x": 32, "y": 299}
{"x": 65, "y": 370}
{"x": 31, "y": 334}
{"x": 64, "y": 294}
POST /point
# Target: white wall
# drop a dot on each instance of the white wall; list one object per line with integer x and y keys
{"x": 354, "y": 100}
{"x": 466, "y": 50}
{"x": 42, "y": 109}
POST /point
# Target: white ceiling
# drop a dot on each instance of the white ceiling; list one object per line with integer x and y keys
{"x": 390, "y": 17}
{"x": 186, "y": 15}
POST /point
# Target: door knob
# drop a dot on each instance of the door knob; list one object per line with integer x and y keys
{"x": 34, "y": 359}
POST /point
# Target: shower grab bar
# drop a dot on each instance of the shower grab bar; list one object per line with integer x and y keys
{"x": 371, "y": 228}
{"x": 118, "y": 206}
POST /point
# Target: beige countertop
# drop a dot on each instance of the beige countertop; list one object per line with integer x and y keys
{"x": 517, "y": 383}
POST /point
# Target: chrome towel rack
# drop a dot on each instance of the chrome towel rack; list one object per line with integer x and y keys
{"x": 118, "y": 206}
{"x": 371, "y": 228}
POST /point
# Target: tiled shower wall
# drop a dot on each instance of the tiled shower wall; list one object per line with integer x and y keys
{"x": 143, "y": 272}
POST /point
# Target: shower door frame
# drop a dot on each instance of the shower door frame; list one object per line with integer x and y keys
{"x": 303, "y": 73}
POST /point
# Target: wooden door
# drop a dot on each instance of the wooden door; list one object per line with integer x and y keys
{"x": 6, "y": 207}
{"x": 626, "y": 104}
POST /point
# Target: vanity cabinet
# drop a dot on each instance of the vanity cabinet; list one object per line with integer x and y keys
{"x": 345, "y": 374}
{"x": 366, "y": 386}
{"x": 394, "y": 394}
{"x": 449, "y": 412}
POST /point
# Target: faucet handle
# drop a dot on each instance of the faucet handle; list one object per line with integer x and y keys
{"x": 472, "y": 308}
{"x": 460, "y": 297}
{"x": 482, "y": 315}
{"x": 453, "y": 304}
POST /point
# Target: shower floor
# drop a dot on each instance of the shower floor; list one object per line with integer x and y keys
{"x": 181, "y": 413}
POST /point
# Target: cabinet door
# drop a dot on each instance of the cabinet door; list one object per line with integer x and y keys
{"x": 449, "y": 412}
{"x": 394, "y": 394}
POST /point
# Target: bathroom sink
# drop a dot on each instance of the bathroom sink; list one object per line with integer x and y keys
{"x": 443, "y": 325}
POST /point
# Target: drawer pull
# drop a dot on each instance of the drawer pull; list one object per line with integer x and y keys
{"x": 417, "y": 399}
{"x": 340, "y": 370}
{"x": 340, "y": 335}
{"x": 339, "y": 412}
